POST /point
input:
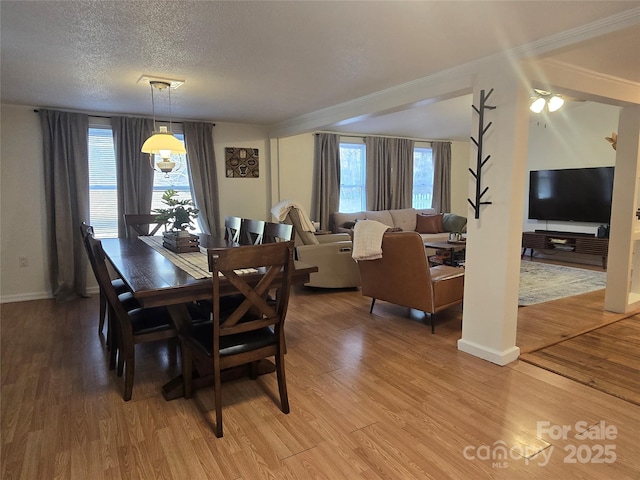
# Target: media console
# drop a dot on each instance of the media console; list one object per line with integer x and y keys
{"x": 566, "y": 242}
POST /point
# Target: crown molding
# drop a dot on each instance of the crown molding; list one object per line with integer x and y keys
{"x": 457, "y": 79}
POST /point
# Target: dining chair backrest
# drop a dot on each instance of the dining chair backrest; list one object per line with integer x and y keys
{"x": 251, "y": 232}
{"x": 132, "y": 324}
{"x": 102, "y": 275}
{"x": 232, "y": 227}
{"x": 253, "y": 329}
{"x": 277, "y": 232}
{"x": 142, "y": 224}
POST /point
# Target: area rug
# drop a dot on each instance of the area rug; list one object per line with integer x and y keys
{"x": 543, "y": 282}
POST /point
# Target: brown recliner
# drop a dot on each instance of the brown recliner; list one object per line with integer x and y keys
{"x": 403, "y": 276}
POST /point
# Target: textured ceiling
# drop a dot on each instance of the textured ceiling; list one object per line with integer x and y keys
{"x": 267, "y": 62}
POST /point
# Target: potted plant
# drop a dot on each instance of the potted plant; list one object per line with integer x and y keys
{"x": 179, "y": 213}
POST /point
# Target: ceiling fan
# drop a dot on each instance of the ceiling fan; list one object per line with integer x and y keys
{"x": 552, "y": 101}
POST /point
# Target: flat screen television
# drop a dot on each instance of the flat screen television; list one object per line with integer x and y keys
{"x": 571, "y": 195}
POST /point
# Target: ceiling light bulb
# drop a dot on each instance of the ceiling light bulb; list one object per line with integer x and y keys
{"x": 165, "y": 153}
{"x": 538, "y": 105}
{"x": 555, "y": 103}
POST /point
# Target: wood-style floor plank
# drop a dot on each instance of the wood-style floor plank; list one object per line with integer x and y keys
{"x": 372, "y": 396}
{"x": 607, "y": 359}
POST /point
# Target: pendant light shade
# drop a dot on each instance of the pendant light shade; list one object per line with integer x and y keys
{"x": 162, "y": 143}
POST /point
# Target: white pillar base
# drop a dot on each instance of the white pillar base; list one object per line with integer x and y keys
{"x": 493, "y": 356}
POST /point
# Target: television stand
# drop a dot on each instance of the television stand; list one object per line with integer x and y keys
{"x": 566, "y": 242}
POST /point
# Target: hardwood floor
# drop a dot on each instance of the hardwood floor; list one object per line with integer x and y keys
{"x": 607, "y": 358}
{"x": 372, "y": 396}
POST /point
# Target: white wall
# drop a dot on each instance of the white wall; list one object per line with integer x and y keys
{"x": 573, "y": 137}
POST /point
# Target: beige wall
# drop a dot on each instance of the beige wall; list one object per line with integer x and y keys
{"x": 295, "y": 170}
{"x": 22, "y": 220}
{"x": 22, "y": 211}
{"x": 573, "y": 139}
{"x": 295, "y": 160}
{"x": 243, "y": 197}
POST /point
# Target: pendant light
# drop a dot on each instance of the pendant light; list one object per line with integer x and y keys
{"x": 162, "y": 143}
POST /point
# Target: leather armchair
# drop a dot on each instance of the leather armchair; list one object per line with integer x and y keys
{"x": 330, "y": 253}
{"x": 403, "y": 276}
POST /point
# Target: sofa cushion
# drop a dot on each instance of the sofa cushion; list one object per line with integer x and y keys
{"x": 429, "y": 223}
{"x": 453, "y": 223}
{"x": 383, "y": 216}
{"x": 404, "y": 218}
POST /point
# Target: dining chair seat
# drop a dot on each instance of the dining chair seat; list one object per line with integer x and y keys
{"x": 202, "y": 335}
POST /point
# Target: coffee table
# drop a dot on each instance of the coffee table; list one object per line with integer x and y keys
{"x": 451, "y": 246}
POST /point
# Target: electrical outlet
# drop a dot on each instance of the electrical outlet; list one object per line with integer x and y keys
{"x": 23, "y": 261}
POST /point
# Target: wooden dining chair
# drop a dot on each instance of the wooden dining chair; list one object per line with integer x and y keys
{"x": 117, "y": 284}
{"x": 232, "y": 227}
{"x": 251, "y": 231}
{"x": 142, "y": 224}
{"x": 130, "y": 326}
{"x": 253, "y": 330}
{"x": 277, "y": 232}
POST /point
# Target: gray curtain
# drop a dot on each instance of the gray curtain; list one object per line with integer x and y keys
{"x": 378, "y": 173}
{"x": 326, "y": 192}
{"x": 133, "y": 170}
{"x": 198, "y": 139}
{"x": 389, "y": 173}
{"x": 402, "y": 175}
{"x": 441, "y": 200}
{"x": 66, "y": 176}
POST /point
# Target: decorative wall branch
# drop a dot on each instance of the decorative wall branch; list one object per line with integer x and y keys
{"x": 480, "y": 162}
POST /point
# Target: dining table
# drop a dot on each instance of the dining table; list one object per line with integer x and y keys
{"x": 158, "y": 277}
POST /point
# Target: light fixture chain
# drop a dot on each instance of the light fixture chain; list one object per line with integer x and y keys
{"x": 153, "y": 107}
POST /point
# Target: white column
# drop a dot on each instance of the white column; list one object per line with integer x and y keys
{"x": 623, "y": 281}
{"x": 489, "y": 320}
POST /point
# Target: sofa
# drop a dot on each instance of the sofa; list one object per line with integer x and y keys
{"x": 433, "y": 227}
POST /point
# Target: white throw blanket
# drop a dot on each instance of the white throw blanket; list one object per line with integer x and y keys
{"x": 280, "y": 211}
{"x": 367, "y": 240}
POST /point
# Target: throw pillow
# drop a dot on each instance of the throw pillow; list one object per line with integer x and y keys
{"x": 453, "y": 223}
{"x": 349, "y": 224}
{"x": 429, "y": 223}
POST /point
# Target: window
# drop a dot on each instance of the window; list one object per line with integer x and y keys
{"x": 352, "y": 177}
{"x": 103, "y": 192}
{"x": 178, "y": 180}
{"x": 422, "y": 178}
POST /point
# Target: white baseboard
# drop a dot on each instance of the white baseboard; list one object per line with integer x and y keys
{"x": 25, "y": 297}
{"x": 489, "y": 354}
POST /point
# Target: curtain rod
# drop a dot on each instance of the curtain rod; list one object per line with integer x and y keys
{"x": 35, "y": 110}
{"x": 362, "y": 135}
